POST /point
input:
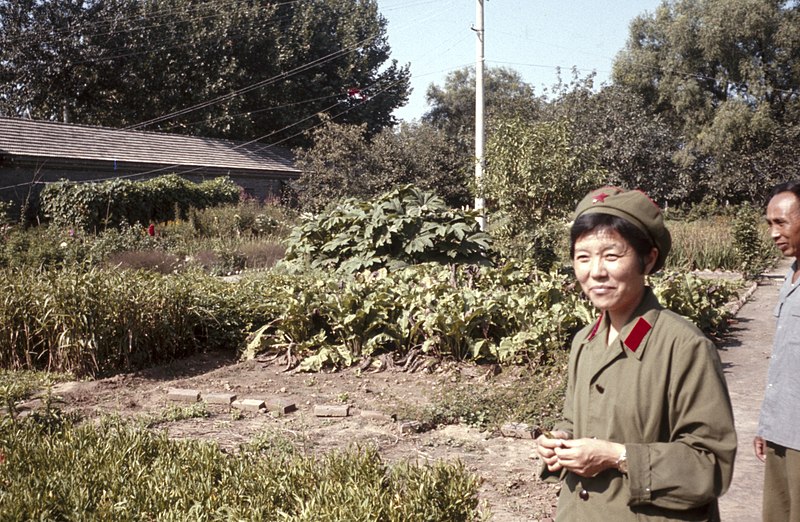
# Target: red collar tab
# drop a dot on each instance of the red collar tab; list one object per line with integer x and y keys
{"x": 596, "y": 327}
{"x": 637, "y": 334}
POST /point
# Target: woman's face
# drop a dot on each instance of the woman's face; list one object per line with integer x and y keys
{"x": 609, "y": 271}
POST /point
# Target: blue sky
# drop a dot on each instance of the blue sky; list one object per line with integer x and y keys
{"x": 533, "y": 37}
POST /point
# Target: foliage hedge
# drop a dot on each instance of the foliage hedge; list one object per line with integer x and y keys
{"x": 96, "y": 206}
{"x": 94, "y": 321}
{"x": 53, "y": 469}
{"x": 222, "y": 239}
{"x": 402, "y": 227}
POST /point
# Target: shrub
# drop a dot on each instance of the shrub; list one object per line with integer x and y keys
{"x": 96, "y": 206}
{"x": 402, "y": 227}
{"x": 155, "y": 260}
{"x": 535, "y": 173}
{"x": 721, "y": 243}
{"x": 701, "y": 245}
{"x": 248, "y": 219}
{"x": 510, "y": 314}
{"x": 6, "y": 211}
{"x": 36, "y": 247}
{"x": 19, "y": 385}
{"x": 752, "y": 254}
{"x": 261, "y": 254}
{"x": 701, "y": 301}
{"x": 114, "y": 471}
{"x": 94, "y": 321}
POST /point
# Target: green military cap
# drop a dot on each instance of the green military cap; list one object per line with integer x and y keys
{"x": 635, "y": 207}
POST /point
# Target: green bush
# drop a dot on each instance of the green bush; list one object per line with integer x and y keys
{"x": 208, "y": 238}
{"x": 702, "y": 301}
{"x": 19, "y": 385}
{"x": 721, "y": 243}
{"x": 6, "y": 211}
{"x": 114, "y": 471}
{"x": 509, "y": 314}
{"x": 701, "y": 245}
{"x": 248, "y": 219}
{"x": 749, "y": 243}
{"x": 402, "y": 227}
{"x": 109, "y": 204}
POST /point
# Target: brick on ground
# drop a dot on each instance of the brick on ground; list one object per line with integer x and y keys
{"x": 254, "y": 405}
{"x": 224, "y": 399}
{"x": 332, "y": 410}
{"x": 183, "y": 395}
{"x": 281, "y": 406}
{"x": 410, "y": 427}
{"x": 517, "y": 430}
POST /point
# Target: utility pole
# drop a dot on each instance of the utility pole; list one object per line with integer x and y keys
{"x": 480, "y": 161}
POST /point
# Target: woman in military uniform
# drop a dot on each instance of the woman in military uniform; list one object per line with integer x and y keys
{"x": 647, "y": 430}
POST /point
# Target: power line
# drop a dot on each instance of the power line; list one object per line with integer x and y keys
{"x": 241, "y": 91}
{"x": 262, "y": 83}
{"x": 174, "y": 168}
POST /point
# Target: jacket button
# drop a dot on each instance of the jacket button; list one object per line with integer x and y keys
{"x": 584, "y": 494}
{"x": 599, "y": 388}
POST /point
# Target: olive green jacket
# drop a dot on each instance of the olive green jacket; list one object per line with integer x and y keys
{"x": 659, "y": 390}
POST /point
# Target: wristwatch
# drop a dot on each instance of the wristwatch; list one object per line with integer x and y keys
{"x": 622, "y": 462}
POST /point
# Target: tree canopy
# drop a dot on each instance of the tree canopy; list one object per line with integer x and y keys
{"x": 259, "y": 69}
{"x": 453, "y": 105}
{"x": 343, "y": 163}
{"x": 631, "y": 144}
{"x": 726, "y": 74}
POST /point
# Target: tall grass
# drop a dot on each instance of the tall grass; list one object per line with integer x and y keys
{"x": 709, "y": 244}
{"x": 706, "y": 244}
{"x": 93, "y": 321}
{"x": 116, "y": 472}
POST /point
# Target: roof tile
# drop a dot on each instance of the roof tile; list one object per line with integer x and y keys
{"x": 45, "y": 139}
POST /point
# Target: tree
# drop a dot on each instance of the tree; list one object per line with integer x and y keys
{"x": 259, "y": 69}
{"x": 345, "y": 163}
{"x": 631, "y": 144}
{"x": 535, "y": 176}
{"x": 453, "y": 106}
{"x": 435, "y": 163}
{"x": 726, "y": 73}
{"x": 42, "y": 56}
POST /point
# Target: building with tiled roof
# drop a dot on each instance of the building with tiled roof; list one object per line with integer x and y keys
{"x": 33, "y": 153}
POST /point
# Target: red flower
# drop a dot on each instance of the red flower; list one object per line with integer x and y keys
{"x": 151, "y": 230}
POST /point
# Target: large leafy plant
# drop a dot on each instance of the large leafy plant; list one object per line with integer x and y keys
{"x": 405, "y": 226}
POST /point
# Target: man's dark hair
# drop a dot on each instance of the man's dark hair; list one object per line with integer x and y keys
{"x": 788, "y": 186}
{"x": 586, "y": 223}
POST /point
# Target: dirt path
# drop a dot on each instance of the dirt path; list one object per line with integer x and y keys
{"x": 745, "y": 358}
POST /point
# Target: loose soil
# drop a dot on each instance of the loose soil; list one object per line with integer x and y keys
{"x": 510, "y": 490}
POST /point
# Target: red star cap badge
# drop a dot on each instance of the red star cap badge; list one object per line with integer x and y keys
{"x": 600, "y": 198}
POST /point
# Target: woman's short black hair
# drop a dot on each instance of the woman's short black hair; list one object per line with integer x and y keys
{"x": 586, "y": 223}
